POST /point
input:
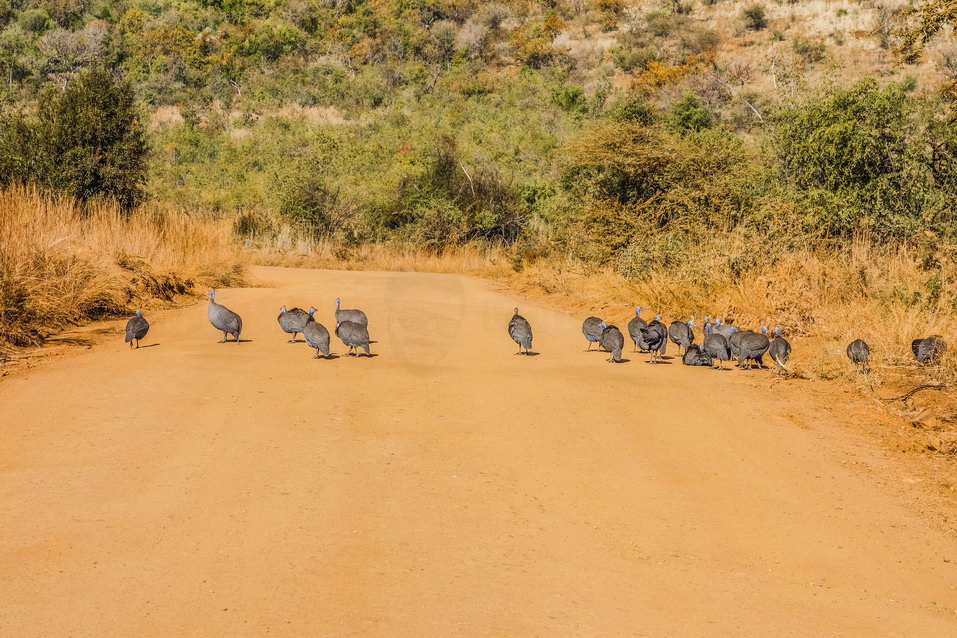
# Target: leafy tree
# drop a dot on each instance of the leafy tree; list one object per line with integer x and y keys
{"x": 858, "y": 156}
{"x": 690, "y": 115}
{"x": 87, "y": 142}
{"x": 631, "y": 180}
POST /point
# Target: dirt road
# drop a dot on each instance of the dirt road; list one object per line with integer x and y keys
{"x": 444, "y": 487}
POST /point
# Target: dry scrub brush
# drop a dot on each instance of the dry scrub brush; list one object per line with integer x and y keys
{"x": 61, "y": 263}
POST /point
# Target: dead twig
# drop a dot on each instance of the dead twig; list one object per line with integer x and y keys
{"x": 926, "y": 386}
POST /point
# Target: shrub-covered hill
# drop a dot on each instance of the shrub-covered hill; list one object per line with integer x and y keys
{"x": 436, "y": 122}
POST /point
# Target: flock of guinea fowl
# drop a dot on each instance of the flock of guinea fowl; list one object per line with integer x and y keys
{"x": 723, "y": 341}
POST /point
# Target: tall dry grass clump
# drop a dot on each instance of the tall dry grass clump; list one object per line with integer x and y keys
{"x": 61, "y": 263}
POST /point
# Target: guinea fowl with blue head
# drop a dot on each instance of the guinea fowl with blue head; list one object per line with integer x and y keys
{"x": 223, "y": 318}
{"x": 613, "y": 341}
{"x": 293, "y": 321}
{"x": 655, "y": 335}
{"x": 521, "y": 332}
{"x": 634, "y": 330}
{"x": 136, "y": 329}
{"x": 316, "y": 335}
{"x": 725, "y": 329}
{"x": 591, "y": 328}
{"x": 355, "y": 316}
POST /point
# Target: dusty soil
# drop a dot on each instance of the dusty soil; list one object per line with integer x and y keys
{"x": 443, "y": 487}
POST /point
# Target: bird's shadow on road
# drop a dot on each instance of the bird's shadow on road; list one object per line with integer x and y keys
{"x": 149, "y": 345}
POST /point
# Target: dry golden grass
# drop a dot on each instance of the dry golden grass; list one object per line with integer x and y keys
{"x": 60, "y": 264}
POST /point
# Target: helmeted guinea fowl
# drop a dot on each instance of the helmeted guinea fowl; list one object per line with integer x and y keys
{"x": 293, "y": 321}
{"x": 930, "y": 349}
{"x": 613, "y": 341}
{"x": 223, "y": 318}
{"x": 915, "y": 346}
{"x": 355, "y": 316}
{"x": 859, "y": 353}
{"x": 696, "y": 356}
{"x": 681, "y": 334}
{"x": 592, "y": 328}
{"x": 316, "y": 335}
{"x": 355, "y": 336}
{"x": 752, "y": 347}
{"x": 634, "y": 330}
{"x": 136, "y": 329}
{"x": 723, "y": 329}
{"x": 521, "y": 332}
{"x": 655, "y": 335}
{"x": 734, "y": 341}
{"x": 716, "y": 347}
{"x": 780, "y": 350}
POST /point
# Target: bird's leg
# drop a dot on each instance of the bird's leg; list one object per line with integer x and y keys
{"x": 131, "y": 345}
{"x": 137, "y": 344}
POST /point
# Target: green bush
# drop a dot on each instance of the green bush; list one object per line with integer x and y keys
{"x": 86, "y": 142}
{"x": 754, "y": 17}
{"x": 865, "y": 158}
{"x": 633, "y": 108}
{"x": 690, "y": 115}
{"x": 571, "y": 99}
{"x": 808, "y": 50}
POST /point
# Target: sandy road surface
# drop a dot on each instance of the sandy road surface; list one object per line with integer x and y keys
{"x": 445, "y": 487}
